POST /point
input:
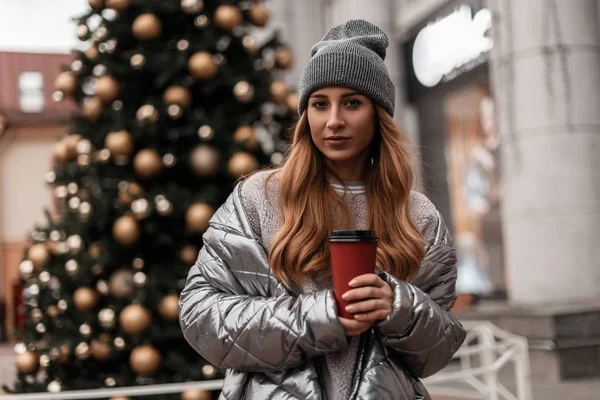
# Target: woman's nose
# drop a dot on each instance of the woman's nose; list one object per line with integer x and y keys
{"x": 335, "y": 120}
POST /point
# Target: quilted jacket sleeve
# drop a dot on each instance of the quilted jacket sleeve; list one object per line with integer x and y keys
{"x": 233, "y": 322}
{"x": 421, "y": 329}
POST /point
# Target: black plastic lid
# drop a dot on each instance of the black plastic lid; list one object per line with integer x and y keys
{"x": 353, "y": 236}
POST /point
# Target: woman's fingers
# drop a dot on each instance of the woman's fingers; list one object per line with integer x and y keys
{"x": 368, "y": 306}
{"x": 367, "y": 280}
{"x": 354, "y": 327}
{"x": 366, "y": 292}
{"x": 373, "y": 316}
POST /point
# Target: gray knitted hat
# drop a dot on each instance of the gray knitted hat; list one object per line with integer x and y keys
{"x": 350, "y": 54}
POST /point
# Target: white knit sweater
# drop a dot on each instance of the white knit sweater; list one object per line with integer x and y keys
{"x": 264, "y": 212}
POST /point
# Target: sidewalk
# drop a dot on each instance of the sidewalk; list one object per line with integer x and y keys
{"x": 588, "y": 389}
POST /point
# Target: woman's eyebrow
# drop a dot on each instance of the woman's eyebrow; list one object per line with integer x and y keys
{"x": 324, "y": 96}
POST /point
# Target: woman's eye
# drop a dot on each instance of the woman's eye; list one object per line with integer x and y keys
{"x": 319, "y": 104}
{"x": 353, "y": 103}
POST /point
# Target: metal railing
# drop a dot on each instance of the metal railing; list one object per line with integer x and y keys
{"x": 486, "y": 351}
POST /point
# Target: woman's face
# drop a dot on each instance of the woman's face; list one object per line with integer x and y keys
{"x": 342, "y": 124}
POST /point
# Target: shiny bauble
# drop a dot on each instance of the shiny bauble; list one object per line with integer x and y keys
{"x": 228, "y": 17}
{"x": 242, "y": 164}
{"x": 92, "y": 53}
{"x": 119, "y": 143}
{"x": 120, "y": 398}
{"x": 121, "y": 284}
{"x": 135, "y": 319}
{"x": 279, "y": 92}
{"x": 107, "y": 89}
{"x": 179, "y": 95}
{"x": 92, "y": 109}
{"x": 137, "y": 61}
{"x": 71, "y": 141}
{"x": 85, "y": 299}
{"x": 196, "y": 394}
{"x": 60, "y": 154}
{"x": 258, "y": 14}
{"x": 129, "y": 191}
{"x": 119, "y": 5}
{"x": 168, "y": 308}
{"x": 198, "y": 216}
{"x": 147, "y": 114}
{"x": 146, "y": 27}
{"x": 28, "y": 362}
{"x": 205, "y": 161}
{"x": 202, "y": 65}
{"x": 243, "y": 92}
{"x": 192, "y": 6}
{"x": 126, "y": 230}
{"x": 97, "y": 5}
{"x": 145, "y": 360}
{"x": 188, "y": 254}
{"x": 147, "y": 163}
{"x": 100, "y": 349}
{"x": 39, "y": 255}
{"x": 284, "y": 58}
{"x": 292, "y": 103}
{"x": 244, "y": 135}
{"x": 66, "y": 82}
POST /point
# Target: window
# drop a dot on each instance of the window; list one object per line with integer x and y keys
{"x": 31, "y": 92}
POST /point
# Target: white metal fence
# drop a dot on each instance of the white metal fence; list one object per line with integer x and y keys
{"x": 486, "y": 352}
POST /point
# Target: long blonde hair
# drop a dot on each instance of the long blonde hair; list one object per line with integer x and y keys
{"x": 311, "y": 207}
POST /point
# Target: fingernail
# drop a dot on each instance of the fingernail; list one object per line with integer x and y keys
{"x": 349, "y": 308}
{"x": 352, "y": 282}
{"x": 345, "y": 296}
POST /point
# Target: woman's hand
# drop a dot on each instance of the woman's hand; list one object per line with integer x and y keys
{"x": 372, "y": 300}
{"x": 354, "y": 327}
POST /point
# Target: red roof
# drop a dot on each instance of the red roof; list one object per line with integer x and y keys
{"x": 12, "y": 64}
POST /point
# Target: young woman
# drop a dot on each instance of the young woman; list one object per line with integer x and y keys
{"x": 259, "y": 301}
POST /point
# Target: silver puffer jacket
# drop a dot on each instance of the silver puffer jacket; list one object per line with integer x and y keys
{"x": 239, "y": 317}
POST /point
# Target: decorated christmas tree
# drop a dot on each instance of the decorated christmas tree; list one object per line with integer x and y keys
{"x": 178, "y": 100}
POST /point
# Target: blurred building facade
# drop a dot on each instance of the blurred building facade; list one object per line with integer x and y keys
{"x": 502, "y": 99}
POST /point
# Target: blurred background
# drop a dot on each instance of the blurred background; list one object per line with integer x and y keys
{"x": 502, "y": 101}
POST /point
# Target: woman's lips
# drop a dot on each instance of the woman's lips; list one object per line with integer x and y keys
{"x": 337, "y": 141}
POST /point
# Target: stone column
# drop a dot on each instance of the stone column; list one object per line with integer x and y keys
{"x": 545, "y": 67}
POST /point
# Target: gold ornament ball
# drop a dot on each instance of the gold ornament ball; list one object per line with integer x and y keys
{"x": 147, "y": 163}
{"x": 100, "y": 350}
{"x": 259, "y": 14}
{"x": 179, "y": 95}
{"x": 121, "y": 283}
{"x": 85, "y": 299}
{"x": 119, "y": 143}
{"x": 188, "y": 254}
{"x": 146, "y": 27}
{"x": 92, "y": 109}
{"x": 120, "y": 398}
{"x": 126, "y": 230}
{"x": 39, "y": 255}
{"x": 242, "y": 164}
{"x": 147, "y": 113}
{"x": 60, "y": 153}
{"x": 135, "y": 319}
{"x": 92, "y": 53}
{"x": 228, "y": 17}
{"x": 196, "y": 394}
{"x": 168, "y": 308}
{"x": 96, "y": 4}
{"x": 107, "y": 89}
{"x": 292, "y": 103}
{"x": 245, "y": 136}
{"x": 243, "y": 91}
{"x": 53, "y": 311}
{"x": 119, "y": 5}
{"x": 202, "y": 65}
{"x": 66, "y": 82}
{"x": 279, "y": 92}
{"x": 71, "y": 141}
{"x": 284, "y": 58}
{"x": 198, "y": 216}
{"x": 28, "y": 362}
{"x": 129, "y": 192}
{"x": 205, "y": 161}
{"x": 145, "y": 360}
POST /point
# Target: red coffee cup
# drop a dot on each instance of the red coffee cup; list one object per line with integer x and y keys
{"x": 353, "y": 253}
